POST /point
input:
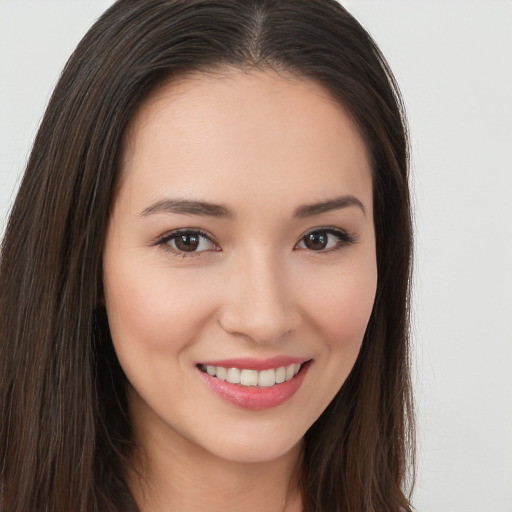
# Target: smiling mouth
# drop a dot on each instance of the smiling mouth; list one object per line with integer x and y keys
{"x": 253, "y": 378}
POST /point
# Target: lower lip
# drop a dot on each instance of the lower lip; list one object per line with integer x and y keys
{"x": 252, "y": 397}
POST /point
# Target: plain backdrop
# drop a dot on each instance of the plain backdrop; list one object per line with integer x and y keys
{"x": 453, "y": 61}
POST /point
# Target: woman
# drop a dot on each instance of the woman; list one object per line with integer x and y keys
{"x": 205, "y": 273}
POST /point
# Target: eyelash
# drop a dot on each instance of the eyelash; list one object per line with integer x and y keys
{"x": 344, "y": 239}
{"x": 163, "y": 242}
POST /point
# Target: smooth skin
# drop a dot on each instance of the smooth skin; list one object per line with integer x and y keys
{"x": 257, "y": 275}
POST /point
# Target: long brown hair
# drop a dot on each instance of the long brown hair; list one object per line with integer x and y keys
{"x": 64, "y": 430}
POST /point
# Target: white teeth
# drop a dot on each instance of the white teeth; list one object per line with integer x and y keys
{"x": 249, "y": 378}
{"x": 267, "y": 378}
{"x": 233, "y": 376}
{"x": 245, "y": 377}
{"x": 280, "y": 375}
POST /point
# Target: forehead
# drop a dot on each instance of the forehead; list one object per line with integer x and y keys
{"x": 254, "y": 131}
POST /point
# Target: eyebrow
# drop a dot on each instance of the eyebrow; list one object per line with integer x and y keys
{"x": 203, "y": 208}
{"x": 187, "y": 207}
{"x": 337, "y": 203}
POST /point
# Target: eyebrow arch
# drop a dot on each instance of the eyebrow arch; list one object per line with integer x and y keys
{"x": 329, "y": 205}
{"x": 187, "y": 207}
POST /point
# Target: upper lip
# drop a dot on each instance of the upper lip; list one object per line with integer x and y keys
{"x": 251, "y": 363}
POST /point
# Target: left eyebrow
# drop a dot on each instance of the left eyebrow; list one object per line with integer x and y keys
{"x": 337, "y": 203}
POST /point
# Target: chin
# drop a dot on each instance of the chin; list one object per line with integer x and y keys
{"x": 251, "y": 445}
{"x": 255, "y": 451}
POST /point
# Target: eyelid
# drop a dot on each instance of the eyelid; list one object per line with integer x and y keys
{"x": 345, "y": 238}
{"x": 163, "y": 240}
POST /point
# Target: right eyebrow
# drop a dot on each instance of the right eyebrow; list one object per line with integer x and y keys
{"x": 187, "y": 207}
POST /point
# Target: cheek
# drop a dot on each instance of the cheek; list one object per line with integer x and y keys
{"x": 339, "y": 308}
{"x": 342, "y": 307}
{"x": 153, "y": 310}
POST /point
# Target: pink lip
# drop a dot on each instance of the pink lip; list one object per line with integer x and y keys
{"x": 251, "y": 363}
{"x": 255, "y": 398}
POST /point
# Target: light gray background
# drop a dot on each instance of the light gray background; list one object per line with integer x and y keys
{"x": 453, "y": 62}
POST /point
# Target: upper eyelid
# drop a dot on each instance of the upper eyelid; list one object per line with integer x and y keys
{"x": 210, "y": 236}
{"x": 329, "y": 229}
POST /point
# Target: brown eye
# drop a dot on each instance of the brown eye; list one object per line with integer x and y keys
{"x": 325, "y": 240}
{"x": 187, "y": 242}
{"x": 316, "y": 241}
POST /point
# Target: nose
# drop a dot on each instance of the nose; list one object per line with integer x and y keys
{"x": 259, "y": 304}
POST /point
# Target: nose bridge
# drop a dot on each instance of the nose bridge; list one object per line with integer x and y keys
{"x": 257, "y": 303}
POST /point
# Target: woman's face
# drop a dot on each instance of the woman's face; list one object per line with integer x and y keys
{"x": 240, "y": 246}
